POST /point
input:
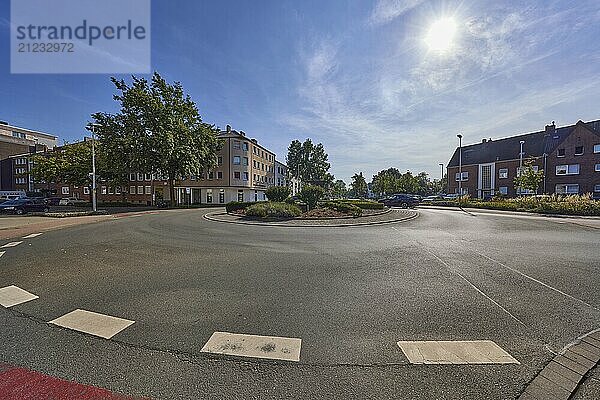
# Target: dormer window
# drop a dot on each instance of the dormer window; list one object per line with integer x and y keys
{"x": 560, "y": 153}
{"x": 578, "y": 150}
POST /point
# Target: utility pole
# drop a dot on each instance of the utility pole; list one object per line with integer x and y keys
{"x": 442, "y": 177}
{"x": 459, "y": 136}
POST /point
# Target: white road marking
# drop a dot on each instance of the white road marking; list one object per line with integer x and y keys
{"x": 271, "y": 347}
{"x": 455, "y": 352}
{"x": 96, "y": 324}
{"x": 11, "y": 244}
{"x": 13, "y": 295}
{"x": 2, "y": 253}
{"x": 32, "y": 235}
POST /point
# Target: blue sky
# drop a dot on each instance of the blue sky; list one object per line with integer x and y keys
{"x": 354, "y": 75}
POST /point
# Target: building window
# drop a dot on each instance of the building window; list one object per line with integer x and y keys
{"x": 103, "y": 189}
{"x": 222, "y": 196}
{"x": 245, "y": 175}
{"x": 209, "y": 195}
{"x": 570, "y": 169}
{"x": 111, "y": 190}
{"x": 132, "y": 177}
{"x": 236, "y": 160}
{"x": 117, "y": 190}
{"x": 464, "y": 177}
{"x": 240, "y": 195}
{"x": 211, "y": 175}
{"x": 20, "y": 135}
{"x": 220, "y": 160}
{"x": 219, "y": 174}
{"x": 131, "y": 189}
{"x": 236, "y": 175}
{"x": 597, "y": 188}
{"x": 245, "y": 146}
{"x": 567, "y": 189}
{"x": 236, "y": 144}
{"x": 560, "y": 153}
{"x": 503, "y": 173}
{"x": 597, "y": 148}
{"x": 503, "y": 190}
{"x": 148, "y": 189}
{"x": 140, "y": 190}
{"x": 148, "y": 177}
{"x": 86, "y": 190}
{"x": 64, "y": 190}
{"x": 20, "y": 181}
{"x": 245, "y": 161}
{"x": 597, "y": 168}
{"x": 578, "y": 150}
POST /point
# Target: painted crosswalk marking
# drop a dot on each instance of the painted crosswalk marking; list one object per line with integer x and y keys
{"x": 271, "y": 347}
{"x": 13, "y": 295}
{"x": 32, "y": 235}
{"x": 96, "y": 324}
{"x": 11, "y": 244}
{"x": 455, "y": 352}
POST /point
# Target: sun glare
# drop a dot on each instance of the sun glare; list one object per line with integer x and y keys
{"x": 441, "y": 34}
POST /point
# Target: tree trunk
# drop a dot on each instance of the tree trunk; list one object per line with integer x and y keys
{"x": 172, "y": 190}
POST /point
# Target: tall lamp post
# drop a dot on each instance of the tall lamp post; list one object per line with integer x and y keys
{"x": 522, "y": 142}
{"x": 442, "y": 176}
{"x": 459, "y": 136}
{"x": 94, "y": 202}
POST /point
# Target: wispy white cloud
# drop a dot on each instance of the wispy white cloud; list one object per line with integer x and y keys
{"x": 387, "y": 10}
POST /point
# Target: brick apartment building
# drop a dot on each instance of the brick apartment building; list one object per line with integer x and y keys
{"x": 245, "y": 169}
{"x": 16, "y": 146}
{"x": 569, "y": 156}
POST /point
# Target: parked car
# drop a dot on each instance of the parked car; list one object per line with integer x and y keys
{"x": 70, "y": 201}
{"x": 401, "y": 200}
{"x": 431, "y": 199}
{"x": 53, "y": 201}
{"x": 23, "y": 206}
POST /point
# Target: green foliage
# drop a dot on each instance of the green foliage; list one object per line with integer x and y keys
{"x": 338, "y": 189}
{"x": 311, "y": 194}
{"x": 158, "y": 129}
{"x": 343, "y": 207}
{"x": 308, "y": 162}
{"x": 278, "y": 193}
{"x": 364, "y": 204}
{"x": 239, "y": 205}
{"x": 273, "y": 210}
{"x": 359, "y": 185}
{"x": 391, "y": 180}
{"x": 529, "y": 179}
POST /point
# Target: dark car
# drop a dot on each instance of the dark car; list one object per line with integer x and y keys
{"x": 23, "y": 206}
{"x": 401, "y": 200}
{"x": 53, "y": 201}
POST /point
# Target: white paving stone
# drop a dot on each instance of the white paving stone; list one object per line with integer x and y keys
{"x": 11, "y": 244}
{"x": 32, "y": 235}
{"x": 455, "y": 352}
{"x": 271, "y": 347}
{"x": 13, "y": 295}
{"x": 102, "y": 325}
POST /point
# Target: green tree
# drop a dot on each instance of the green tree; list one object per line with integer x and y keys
{"x": 278, "y": 193}
{"x": 359, "y": 185}
{"x": 529, "y": 178}
{"x": 48, "y": 167}
{"x": 311, "y": 194}
{"x": 308, "y": 162}
{"x": 338, "y": 189}
{"x": 158, "y": 129}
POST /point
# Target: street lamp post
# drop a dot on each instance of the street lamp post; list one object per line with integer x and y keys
{"x": 442, "y": 176}
{"x": 94, "y": 203}
{"x": 459, "y": 136}
{"x": 522, "y": 142}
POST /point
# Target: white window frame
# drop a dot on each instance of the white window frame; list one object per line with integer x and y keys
{"x": 237, "y": 160}
{"x": 564, "y": 155}
{"x": 503, "y": 190}
{"x": 64, "y": 190}
{"x": 147, "y": 189}
{"x": 118, "y": 190}
{"x": 503, "y": 173}
{"x": 103, "y": 189}
{"x": 582, "y": 151}
{"x": 86, "y": 190}
{"x": 131, "y": 189}
{"x": 567, "y": 168}
{"x": 597, "y": 168}
{"x": 464, "y": 176}
{"x": 140, "y": 189}
{"x": 566, "y": 188}
{"x": 596, "y": 188}
{"x": 597, "y": 148}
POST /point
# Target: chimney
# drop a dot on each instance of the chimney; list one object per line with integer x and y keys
{"x": 483, "y": 140}
{"x": 228, "y": 128}
{"x": 242, "y": 133}
{"x": 550, "y": 129}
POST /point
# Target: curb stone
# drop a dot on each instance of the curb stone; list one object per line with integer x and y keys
{"x": 563, "y": 375}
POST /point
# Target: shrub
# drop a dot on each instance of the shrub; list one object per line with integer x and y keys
{"x": 239, "y": 205}
{"x": 278, "y": 193}
{"x": 364, "y": 204}
{"x": 272, "y": 210}
{"x": 311, "y": 194}
{"x": 346, "y": 208}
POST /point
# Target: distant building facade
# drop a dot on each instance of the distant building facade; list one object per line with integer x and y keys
{"x": 569, "y": 156}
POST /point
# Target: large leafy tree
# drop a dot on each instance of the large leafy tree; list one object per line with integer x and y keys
{"x": 338, "y": 189}
{"x": 309, "y": 162}
{"x": 529, "y": 178}
{"x": 158, "y": 130}
{"x": 359, "y": 185}
{"x": 391, "y": 180}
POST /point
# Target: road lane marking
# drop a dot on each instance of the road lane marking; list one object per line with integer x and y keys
{"x": 31, "y": 236}
{"x": 11, "y": 244}
{"x": 2, "y": 253}
{"x": 13, "y": 295}
{"x": 96, "y": 324}
{"x": 256, "y": 346}
{"x": 455, "y": 352}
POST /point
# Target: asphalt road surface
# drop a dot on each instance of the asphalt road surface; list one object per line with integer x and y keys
{"x": 529, "y": 284}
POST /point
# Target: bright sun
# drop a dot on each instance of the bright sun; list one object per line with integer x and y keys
{"x": 440, "y": 36}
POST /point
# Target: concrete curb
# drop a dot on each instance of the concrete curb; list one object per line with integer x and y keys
{"x": 563, "y": 375}
{"x": 211, "y": 217}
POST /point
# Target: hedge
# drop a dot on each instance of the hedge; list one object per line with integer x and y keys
{"x": 364, "y": 204}
{"x": 352, "y": 209}
{"x": 272, "y": 210}
{"x": 240, "y": 205}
